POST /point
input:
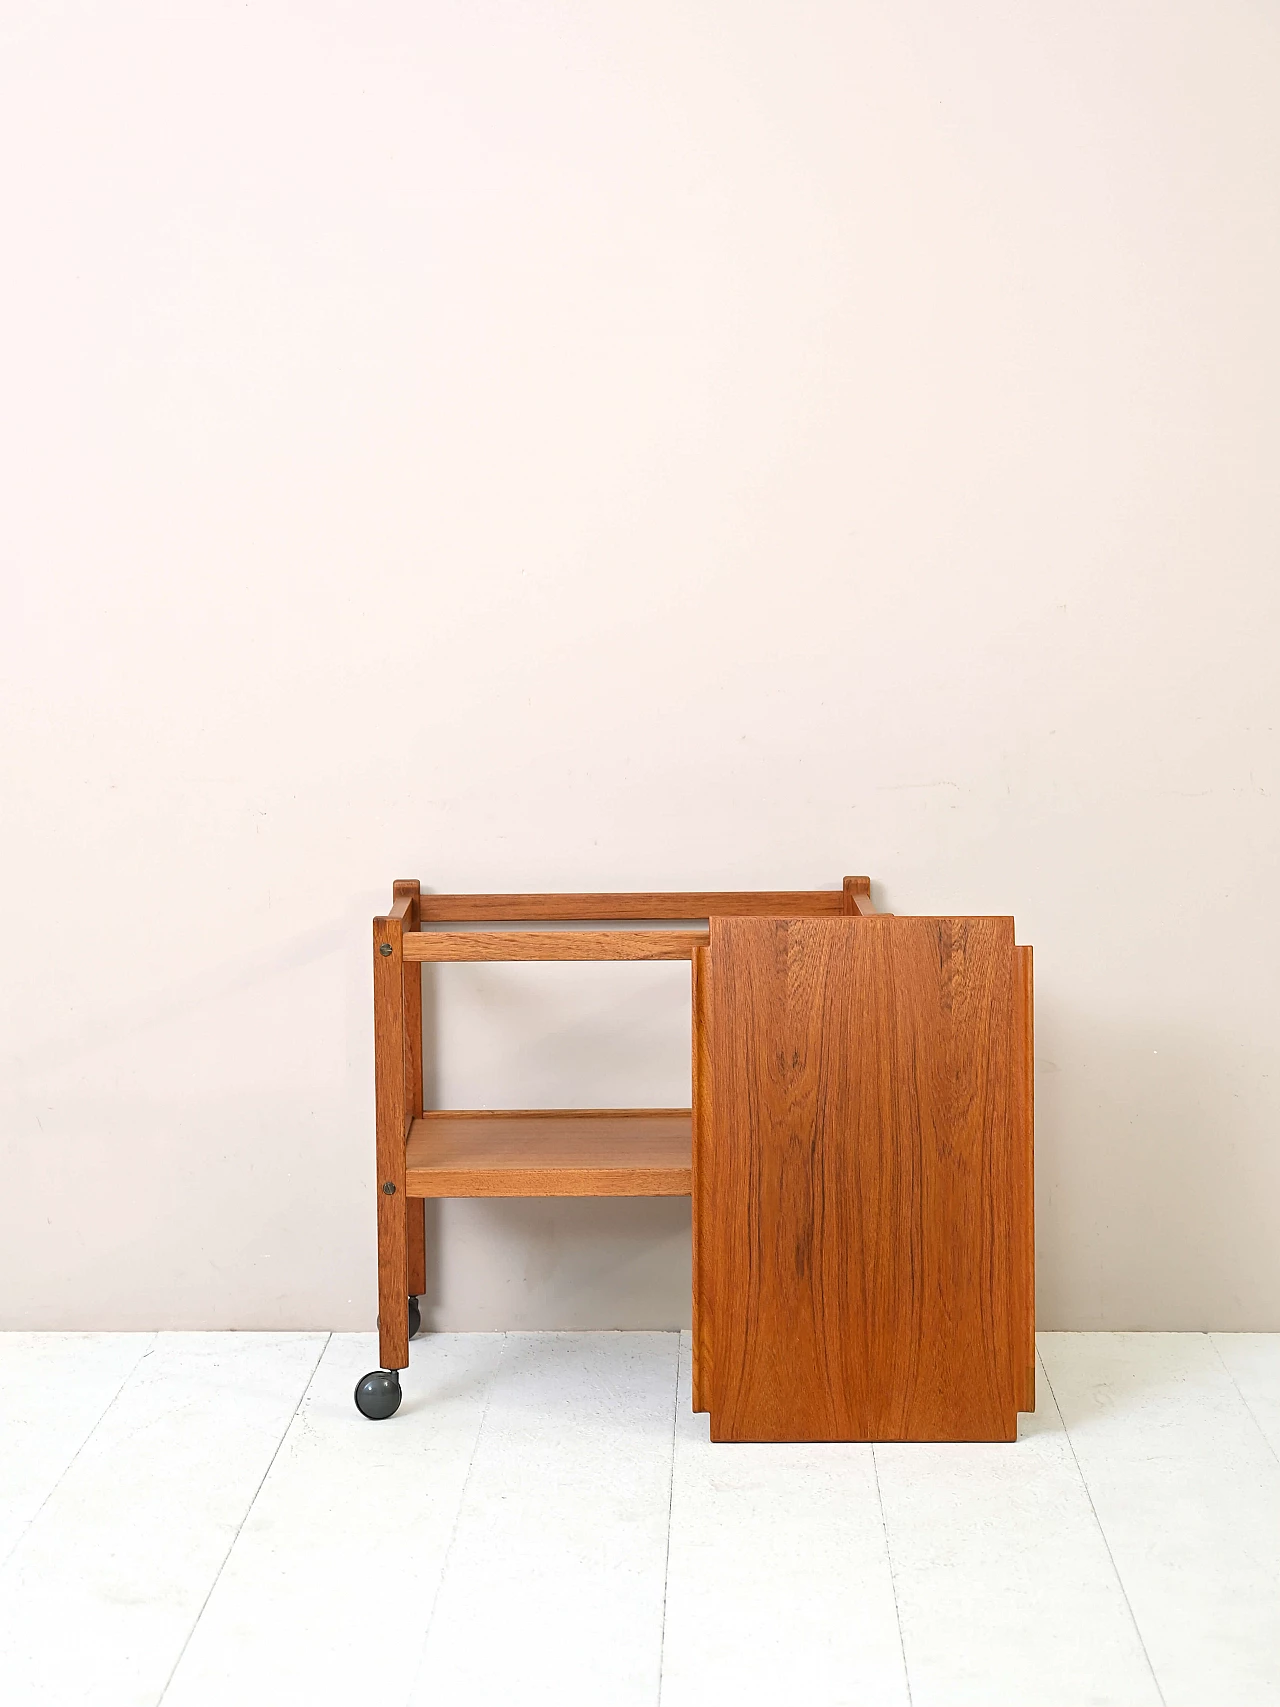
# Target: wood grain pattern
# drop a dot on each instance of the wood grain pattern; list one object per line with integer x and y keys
{"x": 860, "y": 1180}
{"x": 406, "y": 893}
{"x": 1025, "y": 1264}
{"x": 392, "y": 1120}
{"x": 550, "y": 1153}
{"x": 691, "y": 904}
{"x": 552, "y": 945}
{"x": 702, "y": 1281}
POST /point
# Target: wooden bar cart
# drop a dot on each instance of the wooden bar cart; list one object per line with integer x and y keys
{"x": 858, "y": 1150}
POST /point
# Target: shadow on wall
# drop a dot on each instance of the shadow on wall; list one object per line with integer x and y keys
{"x": 1154, "y": 1207}
{"x": 557, "y": 1035}
{"x": 557, "y": 1262}
{"x": 252, "y": 1210}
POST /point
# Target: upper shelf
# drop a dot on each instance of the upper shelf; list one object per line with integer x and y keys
{"x": 552, "y": 945}
{"x": 413, "y": 910}
{"x": 684, "y": 904}
{"x": 572, "y": 1152}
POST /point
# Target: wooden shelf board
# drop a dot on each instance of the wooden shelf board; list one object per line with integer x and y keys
{"x": 697, "y": 904}
{"x": 552, "y": 945}
{"x": 562, "y": 1152}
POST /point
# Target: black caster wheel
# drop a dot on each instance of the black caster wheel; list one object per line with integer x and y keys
{"x": 378, "y": 1394}
{"x": 415, "y": 1317}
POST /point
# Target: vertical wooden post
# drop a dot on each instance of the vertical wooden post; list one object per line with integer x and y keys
{"x": 389, "y": 1052}
{"x": 701, "y": 1115}
{"x": 857, "y": 896}
{"x": 416, "y": 1247}
{"x": 1025, "y": 1258}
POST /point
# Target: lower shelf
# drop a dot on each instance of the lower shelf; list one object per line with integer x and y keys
{"x": 563, "y": 1152}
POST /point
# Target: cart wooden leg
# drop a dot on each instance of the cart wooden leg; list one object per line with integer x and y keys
{"x": 417, "y": 1247}
{"x": 378, "y": 1393}
{"x": 410, "y": 890}
{"x": 393, "y": 1281}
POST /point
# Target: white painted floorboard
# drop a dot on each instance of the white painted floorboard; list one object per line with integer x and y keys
{"x": 54, "y": 1389}
{"x": 552, "y": 1591}
{"x": 336, "y": 1565}
{"x": 778, "y": 1587}
{"x": 204, "y": 1518}
{"x": 1253, "y": 1362}
{"x": 103, "y": 1589}
{"x": 1187, "y": 1490}
{"x": 1005, "y": 1588}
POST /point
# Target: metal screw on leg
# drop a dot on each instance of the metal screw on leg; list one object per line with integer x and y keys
{"x": 384, "y": 948}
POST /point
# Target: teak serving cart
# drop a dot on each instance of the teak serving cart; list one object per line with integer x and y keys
{"x": 859, "y": 1149}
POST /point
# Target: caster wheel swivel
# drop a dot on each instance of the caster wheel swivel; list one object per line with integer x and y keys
{"x": 378, "y": 1394}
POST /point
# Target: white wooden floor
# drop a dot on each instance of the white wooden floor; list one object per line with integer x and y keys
{"x": 204, "y": 1519}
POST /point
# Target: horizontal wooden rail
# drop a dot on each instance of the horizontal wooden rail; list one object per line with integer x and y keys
{"x": 552, "y": 945}
{"x": 696, "y": 904}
